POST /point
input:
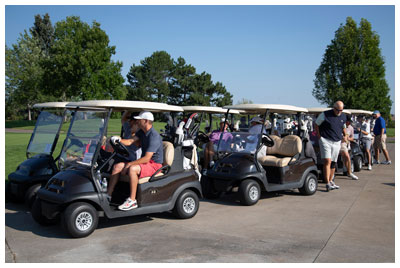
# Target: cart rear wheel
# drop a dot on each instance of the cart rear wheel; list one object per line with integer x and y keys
{"x": 310, "y": 185}
{"x": 358, "y": 163}
{"x": 80, "y": 219}
{"x": 186, "y": 205}
{"x": 249, "y": 192}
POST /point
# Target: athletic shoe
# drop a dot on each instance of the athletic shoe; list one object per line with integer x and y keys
{"x": 369, "y": 167}
{"x": 354, "y": 177}
{"x": 376, "y": 162}
{"x": 128, "y": 204}
{"x": 109, "y": 197}
{"x": 334, "y": 185}
{"x": 386, "y": 162}
{"x": 329, "y": 187}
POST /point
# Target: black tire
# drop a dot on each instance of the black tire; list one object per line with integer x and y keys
{"x": 80, "y": 219}
{"x": 30, "y": 194}
{"x": 36, "y": 212}
{"x": 186, "y": 205}
{"x": 358, "y": 163}
{"x": 310, "y": 185}
{"x": 208, "y": 189}
{"x": 249, "y": 192}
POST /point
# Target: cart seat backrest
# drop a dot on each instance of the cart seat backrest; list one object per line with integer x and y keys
{"x": 168, "y": 153}
{"x": 289, "y": 145}
{"x": 281, "y": 154}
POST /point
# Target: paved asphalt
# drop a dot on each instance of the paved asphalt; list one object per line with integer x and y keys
{"x": 353, "y": 224}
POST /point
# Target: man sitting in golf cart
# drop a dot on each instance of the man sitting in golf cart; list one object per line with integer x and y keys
{"x": 212, "y": 145}
{"x": 151, "y": 160}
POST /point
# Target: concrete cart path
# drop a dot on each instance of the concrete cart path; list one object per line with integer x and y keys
{"x": 353, "y": 224}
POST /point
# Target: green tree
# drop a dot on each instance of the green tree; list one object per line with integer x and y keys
{"x": 152, "y": 79}
{"x": 352, "y": 70}
{"x": 43, "y": 31}
{"x": 80, "y": 65}
{"x": 162, "y": 79}
{"x": 23, "y": 73}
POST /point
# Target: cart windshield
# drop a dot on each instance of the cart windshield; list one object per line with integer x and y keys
{"x": 44, "y": 135}
{"x": 241, "y": 142}
{"x": 83, "y": 137}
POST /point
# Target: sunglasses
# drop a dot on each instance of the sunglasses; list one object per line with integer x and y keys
{"x": 338, "y": 110}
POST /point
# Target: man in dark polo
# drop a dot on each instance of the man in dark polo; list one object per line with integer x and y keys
{"x": 330, "y": 127}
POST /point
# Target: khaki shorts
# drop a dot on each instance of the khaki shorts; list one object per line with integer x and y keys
{"x": 344, "y": 147}
{"x": 380, "y": 143}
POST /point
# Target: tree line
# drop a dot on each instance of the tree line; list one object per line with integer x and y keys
{"x": 71, "y": 61}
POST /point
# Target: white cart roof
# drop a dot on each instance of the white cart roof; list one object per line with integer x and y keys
{"x": 318, "y": 110}
{"x": 273, "y": 108}
{"x": 357, "y": 112}
{"x": 127, "y": 105}
{"x": 208, "y": 109}
{"x": 50, "y": 105}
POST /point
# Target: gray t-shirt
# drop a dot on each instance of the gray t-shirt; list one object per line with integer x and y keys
{"x": 134, "y": 152}
{"x": 151, "y": 142}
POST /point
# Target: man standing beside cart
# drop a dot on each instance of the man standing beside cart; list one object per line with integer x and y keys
{"x": 330, "y": 127}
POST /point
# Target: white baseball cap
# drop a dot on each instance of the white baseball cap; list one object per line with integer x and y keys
{"x": 257, "y": 119}
{"x": 145, "y": 115}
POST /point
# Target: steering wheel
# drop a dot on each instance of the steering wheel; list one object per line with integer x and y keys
{"x": 120, "y": 148}
{"x": 267, "y": 141}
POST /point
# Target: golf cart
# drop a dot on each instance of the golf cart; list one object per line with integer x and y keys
{"x": 356, "y": 156}
{"x": 200, "y": 114}
{"x": 78, "y": 192}
{"x": 40, "y": 165}
{"x": 358, "y": 147}
{"x": 286, "y": 165}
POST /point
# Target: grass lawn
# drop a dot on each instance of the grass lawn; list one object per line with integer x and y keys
{"x": 390, "y": 132}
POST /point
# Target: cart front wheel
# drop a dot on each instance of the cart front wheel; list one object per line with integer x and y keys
{"x": 249, "y": 192}
{"x": 80, "y": 219}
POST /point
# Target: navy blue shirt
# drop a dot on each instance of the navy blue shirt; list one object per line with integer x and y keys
{"x": 379, "y": 124}
{"x": 331, "y": 126}
{"x": 134, "y": 151}
{"x": 151, "y": 142}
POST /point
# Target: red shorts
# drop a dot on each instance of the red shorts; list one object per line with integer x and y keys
{"x": 148, "y": 169}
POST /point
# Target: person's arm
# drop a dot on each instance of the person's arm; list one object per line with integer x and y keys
{"x": 129, "y": 142}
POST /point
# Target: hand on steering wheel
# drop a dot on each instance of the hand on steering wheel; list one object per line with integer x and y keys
{"x": 118, "y": 146}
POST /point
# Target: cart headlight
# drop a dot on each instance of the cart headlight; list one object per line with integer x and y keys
{"x": 55, "y": 185}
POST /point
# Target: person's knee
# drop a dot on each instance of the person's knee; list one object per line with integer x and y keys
{"x": 118, "y": 167}
{"x": 333, "y": 165}
{"x": 134, "y": 170}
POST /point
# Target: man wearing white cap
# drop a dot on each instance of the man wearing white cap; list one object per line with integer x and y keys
{"x": 151, "y": 160}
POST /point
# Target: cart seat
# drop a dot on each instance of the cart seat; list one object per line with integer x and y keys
{"x": 168, "y": 149}
{"x": 282, "y": 152}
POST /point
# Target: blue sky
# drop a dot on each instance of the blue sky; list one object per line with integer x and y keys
{"x": 267, "y": 54}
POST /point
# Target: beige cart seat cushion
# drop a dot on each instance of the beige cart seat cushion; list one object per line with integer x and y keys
{"x": 168, "y": 149}
{"x": 282, "y": 152}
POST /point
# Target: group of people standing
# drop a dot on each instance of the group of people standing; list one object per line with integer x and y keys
{"x": 335, "y": 132}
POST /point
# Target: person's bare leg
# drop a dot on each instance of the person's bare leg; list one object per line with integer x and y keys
{"x": 117, "y": 168}
{"x": 386, "y": 154}
{"x": 327, "y": 169}
{"x": 134, "y": 172}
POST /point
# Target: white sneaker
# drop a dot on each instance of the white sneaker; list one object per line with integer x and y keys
{"x": 386, "y": 162}
{"x": 354, "y": 177}
{"x": 376, "y": 162}
{"x": 128, "y": 204}
{"x": 369, "y": 167}
{"x": 334, "y": 185}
